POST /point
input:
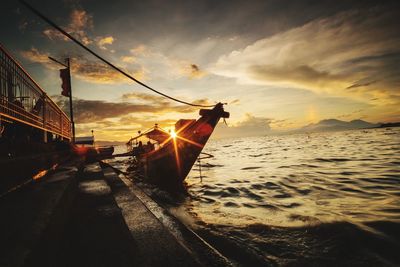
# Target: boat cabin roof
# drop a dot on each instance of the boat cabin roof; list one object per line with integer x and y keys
{"x": 155, "y": 134}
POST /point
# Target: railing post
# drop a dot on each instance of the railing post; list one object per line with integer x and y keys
{"x": 44, "y": 118}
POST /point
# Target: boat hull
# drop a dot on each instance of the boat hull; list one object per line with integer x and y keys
{"x": 171, "y": 163}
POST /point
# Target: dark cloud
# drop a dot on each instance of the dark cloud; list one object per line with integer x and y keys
{"x": 361, "y": 84}
{"x": 303, "y": 75}
{"x": 192, "y": 71}
{"x": 98, "y": 72}
{"x": 327, "y": 55}
{"x": 381, "y": 71}
{"x": 90, "y": 111}
{"x": 195, "y": 68}
{"x": 80, "y": 22}
{"x": 219, "y": 18}
{"x": 161, "y": 100}
{"x": 123, "y": 128}
{"x": 95, "y": 110}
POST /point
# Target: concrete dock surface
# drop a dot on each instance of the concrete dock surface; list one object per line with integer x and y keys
{"x": 91, "y": 216}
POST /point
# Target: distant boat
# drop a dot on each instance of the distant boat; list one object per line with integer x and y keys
{"x": 85, "y": 146}
{"x": 168, "y": 160}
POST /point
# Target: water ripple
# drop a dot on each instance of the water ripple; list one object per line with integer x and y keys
{"x": 340, "y": 176}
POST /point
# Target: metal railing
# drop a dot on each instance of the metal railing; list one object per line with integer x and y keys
{"x": 23, "y": 100}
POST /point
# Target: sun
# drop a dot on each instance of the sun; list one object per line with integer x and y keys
{"x": 173, "y": 134}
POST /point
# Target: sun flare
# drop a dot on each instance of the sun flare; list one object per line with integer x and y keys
{"x": 173, "y": 134}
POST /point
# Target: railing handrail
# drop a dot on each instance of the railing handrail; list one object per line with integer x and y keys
{"x": 3, "y": 49}
{"x": 49, "y": 117}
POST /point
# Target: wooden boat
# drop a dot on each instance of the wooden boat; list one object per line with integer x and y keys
{"x": 174, "y": 153}
{"x": 105, "y": 151}
{"x": 85, "y": 146}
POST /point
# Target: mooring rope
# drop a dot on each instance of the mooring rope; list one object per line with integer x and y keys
{"x": 106, "y": 61}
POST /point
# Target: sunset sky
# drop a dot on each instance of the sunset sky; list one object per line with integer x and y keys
{"x": 278, "y": 64}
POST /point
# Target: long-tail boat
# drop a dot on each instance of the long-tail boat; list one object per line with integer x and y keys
{"x": 169, "y": 162}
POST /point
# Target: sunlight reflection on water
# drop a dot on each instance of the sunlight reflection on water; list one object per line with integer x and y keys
{"x": 300, "y": 179}
{"x": 326, "y": 199}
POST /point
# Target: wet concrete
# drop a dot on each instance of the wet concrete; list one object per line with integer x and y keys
{"x": 162, "y": 239}
{"x": 199, "y": 249}
{"x": 94, "y": 217}
{"x": 96, "y": 233}
{"x": 33, "y": 216}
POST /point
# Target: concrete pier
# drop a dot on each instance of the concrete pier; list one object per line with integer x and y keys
{"x": 95, "y": 217}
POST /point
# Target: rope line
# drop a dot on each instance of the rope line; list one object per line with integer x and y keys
{"x": 106, "y": 61}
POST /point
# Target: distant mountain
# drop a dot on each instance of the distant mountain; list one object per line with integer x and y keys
{"x": 389, "y": 124}
{"x": 336, "y": 125}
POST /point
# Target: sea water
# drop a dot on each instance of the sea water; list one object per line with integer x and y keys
{"x": 306, "y": 199}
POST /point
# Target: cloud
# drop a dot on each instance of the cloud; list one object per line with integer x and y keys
{"x": 80, "y": 21}
{"x": 140, "y": 50}
{"x": 192, "y": 71}
{"x": 35, "y": 56}
{"x": 98, "y": 72}
{"x": 121, "y": 120}
{"x": 326, "y": 55}
{"x": 361, "y": 84}
{"x": 157, "y": 62}
{"x": 128, "y": 59}
{"x": 103, "y": 41}
{"x": 249, "y": 126}
{"x": 153, "y": 98}
{"x": 121, "y": 129}
{"x": 234, "y": 102}
{"x": 87, "y": 70}
{"x": 22, "y": 26}
{"x": 97, "y": 110}
{"x": 160, "y": 100}
{"x": 303, "y": 75}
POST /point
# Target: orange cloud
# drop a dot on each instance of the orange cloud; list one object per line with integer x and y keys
{"x": 98, "y": 110}
{"x": 35, "y": 56}
{"x": 128, "y": 59}
{"x": 80, "y": 21}
{"x": 103, "y": 41}
{"x": 84, "y": 69}
{"x": 140, "y": 50}
{"x": 143, "y": 97}
{"x": 121, "y": 129}
{"x": 98, "y": 72}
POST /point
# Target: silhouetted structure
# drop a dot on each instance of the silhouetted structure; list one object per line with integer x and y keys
{"x": 22, "y": 101}
{"x": 169, "y": 163}
{"x": 31, "y": 124}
